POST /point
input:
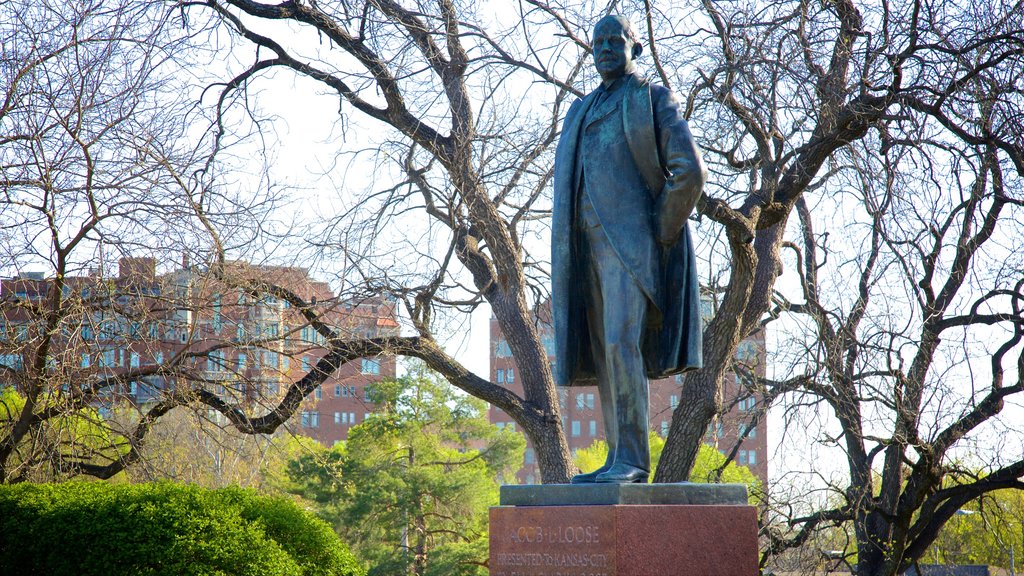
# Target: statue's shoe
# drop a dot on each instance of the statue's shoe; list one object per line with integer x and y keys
{"x": 622, "y": 474}
{"x": 589, "y": 477}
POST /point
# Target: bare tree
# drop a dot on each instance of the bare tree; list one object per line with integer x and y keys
{"x": 893, "y": 134}
{"x": 795, "y": 103}
{"x": 470, "y": 166}
{"x": 97, "y": 167}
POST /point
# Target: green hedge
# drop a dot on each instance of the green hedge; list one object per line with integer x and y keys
{"x": 82, "y": 528}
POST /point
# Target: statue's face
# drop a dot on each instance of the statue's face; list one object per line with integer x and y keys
{"x": 613, "y": 49}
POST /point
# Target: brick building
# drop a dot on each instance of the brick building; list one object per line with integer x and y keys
{"x": 210, "y": 330}
{"x": 583, "y": 422}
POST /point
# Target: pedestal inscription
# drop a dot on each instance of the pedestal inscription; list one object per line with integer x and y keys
{"x": 532, "y": 541}
{"x": 623, "y": 540}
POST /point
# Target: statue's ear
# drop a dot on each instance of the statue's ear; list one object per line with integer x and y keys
{"x": 638, "y": 49}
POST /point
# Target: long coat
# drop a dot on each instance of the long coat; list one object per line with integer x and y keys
{"x": 655, "y": 174}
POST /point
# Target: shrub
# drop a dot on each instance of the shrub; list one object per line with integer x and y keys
{"x": 83, "y": 528}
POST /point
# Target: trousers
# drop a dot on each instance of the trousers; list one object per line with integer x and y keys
{"x": 616, "y": 310}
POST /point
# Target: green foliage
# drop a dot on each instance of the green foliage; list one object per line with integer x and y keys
{"x": 410, "y": 488}
{"x": 707, "y": 464}
{"x": 82, "y": 435}
{"x": 184, "y": 446}
{"x": 984, "y": 531}
{"x": 80, "y": 528}
{"x": 593, "y": 457}
{"x": 709, "y": 461}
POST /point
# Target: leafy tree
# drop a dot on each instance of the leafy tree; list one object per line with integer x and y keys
{"x": 82, "y": 434}
{"x": 987, "y": 531}
{"x": 409, "y": 490}
{"x": 711, "y": 467}
{"x": 186, "y": 446}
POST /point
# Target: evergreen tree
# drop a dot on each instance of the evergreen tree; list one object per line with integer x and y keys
{"x": 410, "y": 488}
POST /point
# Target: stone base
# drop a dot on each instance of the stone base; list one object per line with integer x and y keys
{"x": 587, "y": 494}
{"x": 624, "y": 540}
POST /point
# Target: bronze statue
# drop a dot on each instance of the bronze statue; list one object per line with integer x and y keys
{"x": 625, "y": 298}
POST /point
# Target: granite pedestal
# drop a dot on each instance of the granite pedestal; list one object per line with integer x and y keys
{"x": 624, "y": 530}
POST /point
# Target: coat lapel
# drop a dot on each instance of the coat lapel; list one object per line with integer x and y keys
{"x": 606, "y": 107}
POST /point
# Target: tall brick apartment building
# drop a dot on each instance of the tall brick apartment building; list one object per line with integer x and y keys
{"x": 212, "y": 331}
{"x": 583, "y": 422}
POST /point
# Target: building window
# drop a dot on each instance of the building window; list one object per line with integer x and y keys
{"x": 305, "y": 419}
{"x": 337, "y": 417}
{"x": 212, "y": 362}
{"x": 510, "y": 375}
{"x": 581, "y": 400}
{"x": 593, "y": 428}
{"x": 351, "y": 417}
{"x": 575, "y": 428}
{"x": 159, "y": 357}
{"x": 751, "y": 457}
{"x": 590, "y": 400}
{"x": 337, "y": 390}
{"x": 501, "y": 376}
{"x": 742, "y": 460}
{"x": 548, "y": 341}
{"x": 134, "y": 360}
{"x": 318, "y": 393}
{"x": 746, "y": 351}
{"x": 530, "y": 479}
{"x": 314, "y": 419}
{"x": 502, "y": 350}
{"x": 370, "y": 366}
{"x": 529, "y": 456}
{"x": 673, "y": 401}
{"x": 664, "y": 428}
{"x": 86, "y": 361}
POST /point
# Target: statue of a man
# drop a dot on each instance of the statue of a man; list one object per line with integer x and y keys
{"x": 625, "y": 298}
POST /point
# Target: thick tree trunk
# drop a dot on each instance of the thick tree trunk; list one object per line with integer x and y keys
{"x": 544, "y": 424}
{"x": 701, "y": 392}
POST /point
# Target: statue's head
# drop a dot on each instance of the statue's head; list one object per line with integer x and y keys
{"x": 616, "y": 46}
